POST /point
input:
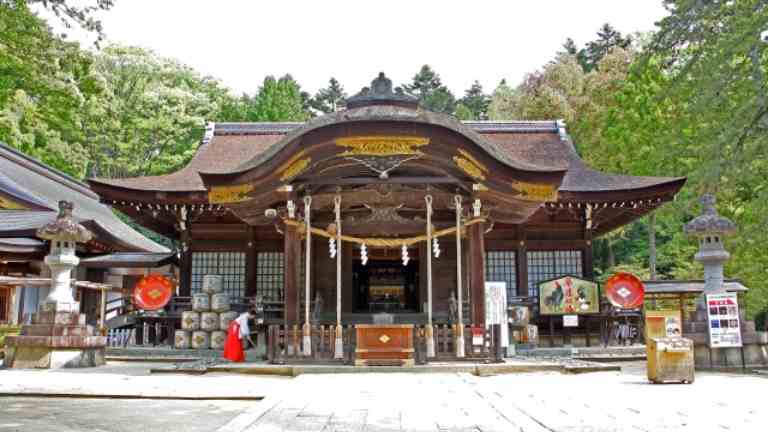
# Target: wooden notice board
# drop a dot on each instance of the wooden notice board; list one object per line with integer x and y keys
{"x": 384, "y": 344}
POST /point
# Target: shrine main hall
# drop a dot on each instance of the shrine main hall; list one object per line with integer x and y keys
{"x": 384, "y": 206}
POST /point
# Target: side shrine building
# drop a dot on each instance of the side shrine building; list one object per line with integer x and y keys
{"x": 383, "y": 185}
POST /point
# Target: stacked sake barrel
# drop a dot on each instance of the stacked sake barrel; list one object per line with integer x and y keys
{"x": 205, "y": 326}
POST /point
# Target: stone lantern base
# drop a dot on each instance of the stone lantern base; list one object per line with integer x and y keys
{"x": 55, "y": 340}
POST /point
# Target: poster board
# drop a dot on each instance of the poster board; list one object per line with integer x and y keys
{"x": 570, "y": 320}
{"x": 496, "y": 308}
{"x": 568, "y": 295}
{"x": 723, "y": 318}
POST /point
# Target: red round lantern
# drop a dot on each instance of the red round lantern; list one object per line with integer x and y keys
{"x": 153, "y": 292}
{"x": 625, "y": 290}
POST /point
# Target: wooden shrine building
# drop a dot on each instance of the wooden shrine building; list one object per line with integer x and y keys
{"x": 528, "y": 210}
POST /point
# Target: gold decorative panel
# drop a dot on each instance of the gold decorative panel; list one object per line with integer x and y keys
{"x": 535, "y": 191}
{"x": 381, "y": 145}
{"x": 229, "y": 194}
{"x": 7, "y": 204}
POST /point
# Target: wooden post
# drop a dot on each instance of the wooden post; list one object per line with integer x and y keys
{"x": 185, "y": 264}
{"x": 338, "y": 351}
{"x": 306, "y": 330}
{"x": 251, "y": 258}
{"x": 290, "y": 255}
{"x": 459, "y": 334}
{"x": 429, "y": 329}
{"x": 477, "y": 281}
{"x": 103, "y": 310}
{"x": 521, "y": 263}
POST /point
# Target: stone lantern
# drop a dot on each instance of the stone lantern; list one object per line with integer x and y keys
{"x": 58, "y": 336}
{"x": 64, "y": 234}
{"x": 710, "y": 229}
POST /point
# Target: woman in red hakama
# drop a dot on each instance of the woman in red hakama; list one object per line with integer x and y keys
{"x": 237, "y": 334}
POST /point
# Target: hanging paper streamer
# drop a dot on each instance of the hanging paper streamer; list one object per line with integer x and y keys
{"x": 405, "y": 256}
{"x": 364, "y": 254}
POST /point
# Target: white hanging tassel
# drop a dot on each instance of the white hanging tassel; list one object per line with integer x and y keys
{"x": 436, "y": 247}
{"x": 364, "y": 254}
{"x": 405, "y": 256}
{"x": 332, "y": 247}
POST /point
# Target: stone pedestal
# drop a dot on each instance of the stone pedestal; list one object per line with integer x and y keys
{"x": 55, "y": 340}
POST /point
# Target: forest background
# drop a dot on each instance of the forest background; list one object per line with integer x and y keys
{"x": 689, "y": 99}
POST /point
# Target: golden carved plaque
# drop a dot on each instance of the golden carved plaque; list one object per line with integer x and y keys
{"x": 535, "y": 191}
{"x": 229, "y": 194}
{"x": 381, "y": 145}
{"x": 384, "y": 338}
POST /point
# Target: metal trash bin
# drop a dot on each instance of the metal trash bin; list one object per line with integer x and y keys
{"x": 670, "y": 359}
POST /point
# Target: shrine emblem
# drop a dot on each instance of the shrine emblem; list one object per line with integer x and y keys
{"x": 382, "y": 145}
{"x": 384, "y": 338}
{"x": 229, "y": 194}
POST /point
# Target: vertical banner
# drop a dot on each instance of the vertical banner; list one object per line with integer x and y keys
{"x": 723, "y": 318}
{"x": 496, "y": 308}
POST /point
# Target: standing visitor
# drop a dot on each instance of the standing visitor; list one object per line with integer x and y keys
{"x": 238, "y": 335}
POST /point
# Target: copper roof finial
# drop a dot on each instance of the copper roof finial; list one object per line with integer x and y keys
{"x": 380, "y": 93}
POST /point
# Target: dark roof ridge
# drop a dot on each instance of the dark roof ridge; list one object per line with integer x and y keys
{"x": 482, "y": 126}
{"x": 51, "y": 173}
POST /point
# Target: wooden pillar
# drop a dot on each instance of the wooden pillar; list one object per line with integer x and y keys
{"x": 476, "y": 234}
{"x": 587, "y": 258}
{"x": 250, "y": 263}
{"x": 521, "y": 264}
{"x": 291, "y": 251}
{"x": 185, "y": 264}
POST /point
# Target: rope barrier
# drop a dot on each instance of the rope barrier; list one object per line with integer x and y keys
{"x": 382, "y": 242}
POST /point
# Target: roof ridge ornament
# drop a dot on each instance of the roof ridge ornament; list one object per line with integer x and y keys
{"x": 381, "y": 93}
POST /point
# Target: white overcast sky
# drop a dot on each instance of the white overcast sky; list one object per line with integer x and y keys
{"x": 240, "y": 42}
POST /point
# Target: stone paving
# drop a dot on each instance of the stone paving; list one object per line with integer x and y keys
{"x": 602, "y": 401}
{"x": 379, "y": 402}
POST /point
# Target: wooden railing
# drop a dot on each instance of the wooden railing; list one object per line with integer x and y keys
{"x": 284, "y": 344}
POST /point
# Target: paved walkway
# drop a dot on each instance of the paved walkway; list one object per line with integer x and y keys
{"x": 528, "y": 402}
{"x": 376, "y": 402}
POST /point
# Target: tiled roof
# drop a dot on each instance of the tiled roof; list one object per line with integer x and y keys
{"x": 21, "y": 245}
{"x": 30, "y": 177}
{"x": 130, "y": 259}
{"x": 688, "y": 286}
{"x": 531, "y": 143}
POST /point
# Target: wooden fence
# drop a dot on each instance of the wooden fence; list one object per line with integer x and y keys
{"x": 284, "y": 344}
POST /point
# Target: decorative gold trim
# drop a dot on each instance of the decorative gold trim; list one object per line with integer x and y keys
{"x": 381, "y": 145}
{"x": 7, "y": 204}
{"x": 295, "y": 169}
{"x": 229, "y": 194}
{"x": 467, "y": 155}
{"x": 469, "y": 168}
{"x": 535, "y": 191}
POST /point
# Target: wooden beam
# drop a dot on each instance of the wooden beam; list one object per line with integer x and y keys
{"x": 417, "y": 180}
{"x": 185, "y": 265}
{"x": 476, "y": 234}
{"x": 291, "y": 251}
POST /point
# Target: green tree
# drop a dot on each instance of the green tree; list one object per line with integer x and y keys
{"x": 607, "y": 39}
{"x": 432, "y": 94}
{"x": 503, "y": 102}
{"x": 69, "y": 12}
{"x": 476, "y": 102}
{"x": 43, "y": 84}
{"x": 329, "y": 99}
{"x": 278, "y": 100}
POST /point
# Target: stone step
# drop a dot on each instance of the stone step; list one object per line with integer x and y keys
{"x": 60, "y": 318}
{"x": 56, "y": 330}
